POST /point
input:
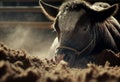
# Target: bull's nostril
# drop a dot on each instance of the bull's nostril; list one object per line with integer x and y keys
{"x": 58, "y": 58}
{"x": 67, "y": 58}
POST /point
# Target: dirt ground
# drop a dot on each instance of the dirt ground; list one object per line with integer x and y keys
{"x": 18, "y": 66}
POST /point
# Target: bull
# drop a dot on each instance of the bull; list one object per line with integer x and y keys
{"x": 83, "y": 30}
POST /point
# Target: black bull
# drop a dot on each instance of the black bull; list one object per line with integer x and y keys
{"x": 83, "y": 30}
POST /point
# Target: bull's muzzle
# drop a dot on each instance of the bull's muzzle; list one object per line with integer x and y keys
{"x": 58, "y": 58}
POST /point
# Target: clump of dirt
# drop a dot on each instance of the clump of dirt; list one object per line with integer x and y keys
{"x": 18, "y": 66}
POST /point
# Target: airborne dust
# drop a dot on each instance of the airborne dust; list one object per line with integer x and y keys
{"x": 35, "y": 41}
{"x": 32, "y": 39}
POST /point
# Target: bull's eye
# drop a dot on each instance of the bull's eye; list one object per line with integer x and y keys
{"x": 84, "y": 29}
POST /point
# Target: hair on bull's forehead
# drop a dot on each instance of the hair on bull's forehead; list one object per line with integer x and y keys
{"x": 74, "y": 5}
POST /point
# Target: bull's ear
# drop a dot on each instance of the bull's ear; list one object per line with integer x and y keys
{"x": 105, "y": 13}
{"x": 49, "y": 10}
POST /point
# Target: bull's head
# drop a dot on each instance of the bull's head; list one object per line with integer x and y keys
{"x": 52, "y": 11}
{"x": 74, "y": 23}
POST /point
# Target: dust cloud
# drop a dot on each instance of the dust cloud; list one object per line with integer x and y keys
{"x": 33, "y": 40}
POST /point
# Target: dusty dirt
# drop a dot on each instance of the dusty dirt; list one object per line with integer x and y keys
{"x": 18, "y": 66}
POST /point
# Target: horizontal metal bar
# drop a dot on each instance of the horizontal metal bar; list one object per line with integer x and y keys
{"x": 20, "y": 9}
{"x": 25, "y": 24}
{"x": 30, "y": 0}
{"x": 54, "y": 0}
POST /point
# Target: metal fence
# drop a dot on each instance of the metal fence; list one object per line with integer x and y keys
{"x": 7, "y": 9}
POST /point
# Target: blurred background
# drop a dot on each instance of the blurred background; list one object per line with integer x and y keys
{"x": 24, "y": 26}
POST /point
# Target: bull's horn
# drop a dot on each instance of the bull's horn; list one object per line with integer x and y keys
{"x": 49, "y": 10}
{"x": 105, "y": 13}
